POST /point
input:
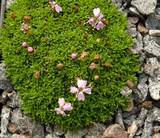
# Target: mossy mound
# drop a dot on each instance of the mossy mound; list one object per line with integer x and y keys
{"x": 54, "y": 37}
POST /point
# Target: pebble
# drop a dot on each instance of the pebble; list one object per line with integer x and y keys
{"x": 12, "y": 128}
{"x": 17, "y": 136}
{"x": 133, "y": 20}
{"x": 154, "y": 91}
{"x": 132, "y": 129}
{"x": 154, "y": 33}
{"x": 145, "y": 7}
{"x": 157, "y": 135}
{"x": 115, "y": 131}
{"x": 143, "y": 30}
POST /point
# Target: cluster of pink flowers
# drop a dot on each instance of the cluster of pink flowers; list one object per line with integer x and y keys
{"x": 98, "y": 20}
{"x": 29, "y": 48}
{"x": 79, "y": 91}
{"x": 55, "y": 7}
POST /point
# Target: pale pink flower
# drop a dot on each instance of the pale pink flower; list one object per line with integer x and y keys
{"x": 96, "y": 12}
{"x": 30, "y": 49}
{"x": 63, "y": 106}
{"x": 74, "y": 56}
{"x": 55, "y": 6}
{"x": 82, "y": 88}
{"x": 100, "y": 25}
{"x": 92, "y": 21}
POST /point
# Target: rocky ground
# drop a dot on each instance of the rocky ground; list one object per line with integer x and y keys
{"x": 142, "y": 117}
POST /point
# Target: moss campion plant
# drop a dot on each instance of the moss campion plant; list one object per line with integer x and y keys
{"x": 69, "y": 59}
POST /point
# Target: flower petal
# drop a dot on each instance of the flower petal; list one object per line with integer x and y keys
{"x": 81, "y": 84}
{"x": 58, "y": 8}
{"x": 59, "y": 111}
{"x": 67, "y": 107}
{"x": 80, "y": 96}
{"x": 73, "y": 89}
{"x": 100, "y": 25}
{"x": 61, "y": 102}
{"x": 87, "y": 90}
{"x": 92, "y": 21}
{"x": 96, "y": 11}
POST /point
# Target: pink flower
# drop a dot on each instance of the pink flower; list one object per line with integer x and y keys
{"x": 74, "y": 56}
{"x": 82, "y": 88}
{"x": 92, "y": 21}
{"x": 30, "y": 49}
{"x": 96, "y": 12}
{"x": 63, "y": 106}
{"x": 97, "y": 20}
{"x": 100, "y": 25}
{"x": 55, "y": 6}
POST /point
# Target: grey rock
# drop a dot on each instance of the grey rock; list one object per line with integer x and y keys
{"x": 51, "y": 136}
{"x": 4, "y": 97}
{"x": 5, "y": 116}
{"x": 2, "y": 70}
{"x": 154, "y": 32}
{"x": 133, "y": 20}
{"x": 141, "y": 117}
{"x": 134, "y": 11}
{"x": 154, "y": 90}
{"x": 58, "y": 131}
{"x": 96, "y": 130}
{"x": 5, "y": 84}
{"x": 138, "y": 46}
{"x": 132, "y": 31}
{"x": 152, "y": 67}
{"x": 151, "y": 47}
{"x": 152, "y": 21}
{"x": 119, "y": 118}
{"x": 14, "y": 100}
{"x": 26, "y": 125}
{"x": 145, "y": 7}
{"x": 128, "y": 120}
{"x": 70, "y": 134}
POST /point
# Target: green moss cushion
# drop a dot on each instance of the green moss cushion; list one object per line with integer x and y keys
{"x": 48, "y": 72}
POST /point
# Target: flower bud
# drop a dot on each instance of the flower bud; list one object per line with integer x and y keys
{"x": 92, "y": 66}
{"x": 27, "y": 19}
{"x": 107, "y": 65}
{"x": 97, "y": 57}
{"x": 37, "y": 75}
{"x": 60, "y": 66}
{"x": 25, "y": 45}
{"x": 84, "y": 56}
{"x": 30, "y": 49}
{"x": 96, "y": 77}
{"x": 74, "y": 56}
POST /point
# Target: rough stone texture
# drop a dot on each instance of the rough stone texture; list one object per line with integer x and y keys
{"x": 152, "y": 21}
{"x": 119, "y": 118}
{"x": 145, "y": 7}
{"x": 154, "y": 90}
{"x": 115, "y": 131}
{"x": 5, "y": 84}
{"x": 151, "y": 47}
{"x": 154, "y": 32}
{"x": 17, "y": 136}
{"x": 5, "y": 115}
{"x": 14, "y": 100}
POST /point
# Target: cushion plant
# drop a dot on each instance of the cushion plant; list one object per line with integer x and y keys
{"x": 69, "y": 59}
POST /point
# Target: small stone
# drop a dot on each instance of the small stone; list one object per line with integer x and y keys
{"x": 142, "y": 29}
{"x": 147, "y": 104}
{"x": 157, "y": 135}
{"x": 58, "y": 131}
{"x": 70, "y": 134}
{"x": 17, "y": 136}
{"x": 154, "y": 33}
{"x": 145, "y": 7}
{"x": 154, "y": 90}
{"x": 133, "y": 11}
{"x": 133, "y": 20}
{"x": 115, "y": 131}
{"x": 12, "y": 128}
{"x": 132, "y": 129}
{"x": 93, "y": 66}
{"x": 60, "y": 66}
